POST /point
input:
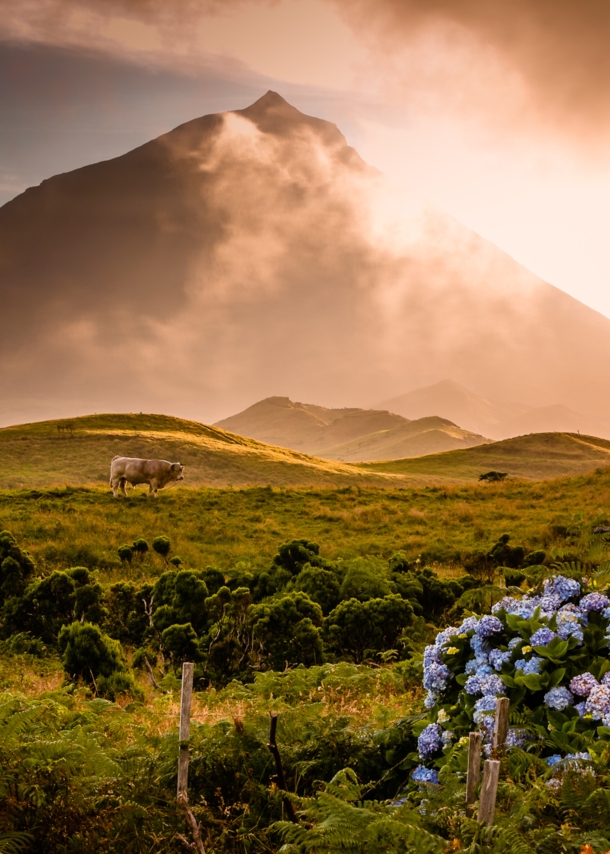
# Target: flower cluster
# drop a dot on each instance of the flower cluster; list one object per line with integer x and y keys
{"x": 548, "y": 651}
{"x": 424, "y": 775}
{"x": 430, "y": 741}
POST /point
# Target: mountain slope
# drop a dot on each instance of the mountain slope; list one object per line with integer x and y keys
{"x": 252, "y": 253}
{"x": 414, "y": 439}
{"x": 346, "y": 434}
{"x": 494, "y": 418}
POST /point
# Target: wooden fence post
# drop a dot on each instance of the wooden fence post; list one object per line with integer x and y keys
{"x": 279, "y": 770}
{"x": 500, "y": 725}
{"x": 474, "y": 768}
{"x": 489, "y": 791}
{"x": 185, "y": 726}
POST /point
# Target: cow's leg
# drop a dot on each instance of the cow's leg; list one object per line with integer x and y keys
{"x": 152, "y": 488}
{"x": 122, "y": 483}
{"x": 114, "y": 483}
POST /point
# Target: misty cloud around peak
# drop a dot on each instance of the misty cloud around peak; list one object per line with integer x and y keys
{"x": 251, "y": 254}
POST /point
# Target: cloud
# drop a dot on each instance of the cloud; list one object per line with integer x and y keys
{"x": 544, "y": 61}
{"x": 531, "y": 63}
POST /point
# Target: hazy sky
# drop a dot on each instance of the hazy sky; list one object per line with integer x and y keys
{"x": 496, "y": 110}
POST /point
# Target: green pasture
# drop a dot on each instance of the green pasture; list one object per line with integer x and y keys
{"x": 225, "y": 527}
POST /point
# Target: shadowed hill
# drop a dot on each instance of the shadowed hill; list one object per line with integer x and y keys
{"x": 349, "y": 435}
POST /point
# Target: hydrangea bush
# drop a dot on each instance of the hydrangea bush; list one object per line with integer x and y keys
{"x": 547, "y": 651}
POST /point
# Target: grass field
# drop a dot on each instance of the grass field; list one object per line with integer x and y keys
{"x": 535, "y": 456}
{"x": 43, "y": 454}
{"x": 225, "y": 527}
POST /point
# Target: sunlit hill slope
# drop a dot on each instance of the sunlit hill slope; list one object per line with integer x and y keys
{"x": 78, "y": 452}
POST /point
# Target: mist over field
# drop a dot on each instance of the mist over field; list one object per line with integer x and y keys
{"x": 254, "y": 253}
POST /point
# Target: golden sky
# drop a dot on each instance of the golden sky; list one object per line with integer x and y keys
{"x": 498, "y": 111}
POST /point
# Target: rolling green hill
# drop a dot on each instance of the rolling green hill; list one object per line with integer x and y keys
{"x": 79, "y": 451}
{"x": 535, "y": 457}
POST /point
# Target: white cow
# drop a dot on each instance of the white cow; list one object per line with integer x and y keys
{"x": 156, "y": 473}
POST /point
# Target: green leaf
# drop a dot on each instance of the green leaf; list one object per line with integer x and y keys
{"x": 556, "y": 676}
{"x": 531, "y": 681}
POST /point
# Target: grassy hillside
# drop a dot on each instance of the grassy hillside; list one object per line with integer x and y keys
{"x": 539, "y": 455}
{"x": 45, "y": 454}
{"x": 411, "y": 439}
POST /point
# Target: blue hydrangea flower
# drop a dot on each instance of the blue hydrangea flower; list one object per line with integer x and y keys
{"x": 564, "y": 588}
{"x": 521, "y": 607}
{"x": 576, "y": 759}
{"x": 437, "y": 677}
{"x": 471, "y": 667}
{"x": 549, "y": 605}
{"x": 484, "y": 704}
{"x": 468, "y": 625}
{"x": 492, "y": 684}
{"x": 429, "y": 741}
{"x": 558, "y": 698}
{"x": 445, "y": 636}
{"x": 447, "y": 737}
{"x": 598, "y": 703}
{"x": 432, "y": 655}
{"x": 531, "y": 666}
{"x": 542, "y": 637}
{"x": 424, "y": 775}
{"x": 497, "y": 658}
{"x": 606, "y": 678}
{"x": 480, "y": 646}
{"x": 516, "y": 737}
{"x": 486, "y": 725}
{"x": 489, "y": 626}
{"x": 513, "y": 642}
{"x": 431, "y": 700}
{"x": 594, "y": 602}
{"x": 554, "y": 759}
{"x": 570, "y": 620}
{"x": 583, "y": 684}
{"x": 581, "y": 708}
{"x": 473, "y": 685}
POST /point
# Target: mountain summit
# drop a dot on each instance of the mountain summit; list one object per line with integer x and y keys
{"x": 254, "y": 253}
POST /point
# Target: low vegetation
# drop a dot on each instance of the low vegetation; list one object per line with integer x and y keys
{"x": 313, "y": 603}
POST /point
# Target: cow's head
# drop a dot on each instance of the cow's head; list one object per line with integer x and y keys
{"x": 177, "y": 469}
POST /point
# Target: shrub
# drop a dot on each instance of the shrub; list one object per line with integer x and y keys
{"x": 182, "y": 643}
{"x": 96, "y": 658}
{"x": 125, "y": 553}
{"x": 514, "y": 577}
{"x": 363, "y": 629}
{"x": 162, "y": 546}
{"x": 140, "y": 547}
